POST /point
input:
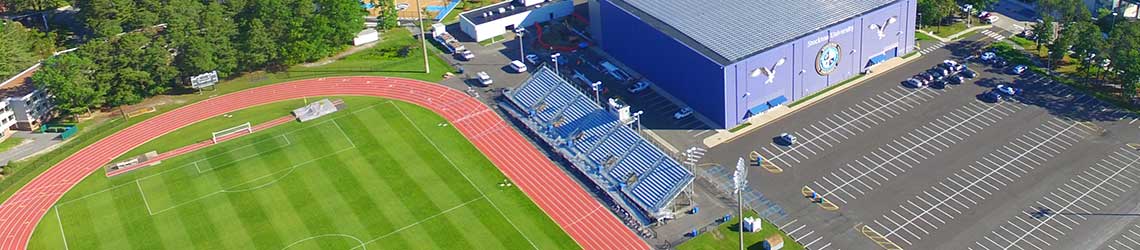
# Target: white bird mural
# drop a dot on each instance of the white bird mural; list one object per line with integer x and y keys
{"x": 881, "y": 29}
{"x": 770, "y": 72}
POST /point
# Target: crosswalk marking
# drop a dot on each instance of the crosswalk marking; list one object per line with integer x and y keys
{"x": 994, "y": 35}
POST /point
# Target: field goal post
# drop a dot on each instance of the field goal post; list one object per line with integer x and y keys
{"x": 219, "y": 135}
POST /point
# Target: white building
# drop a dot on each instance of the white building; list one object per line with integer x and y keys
{"x": 498, "y": 19}
{"x": 22, "y": 106}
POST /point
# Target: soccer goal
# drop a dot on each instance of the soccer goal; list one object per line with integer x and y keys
{"x": 218, "y": 136}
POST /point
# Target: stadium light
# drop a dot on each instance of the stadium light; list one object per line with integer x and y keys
{"x": 554, "y": 59}
{"x": 520, "y": 32}
{"x": 740, "y": 179}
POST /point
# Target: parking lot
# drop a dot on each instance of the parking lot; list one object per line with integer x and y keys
{"x": 927, "y": 168}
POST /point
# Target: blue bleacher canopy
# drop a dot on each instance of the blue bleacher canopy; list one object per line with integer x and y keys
{"x": 777, "y": 101}
{"x": 758, "y": 109}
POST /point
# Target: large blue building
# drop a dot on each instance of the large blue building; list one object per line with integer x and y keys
{"x": 731, "y": 59}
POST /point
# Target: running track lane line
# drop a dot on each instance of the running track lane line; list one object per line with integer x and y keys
{"x": 555, "y": 193}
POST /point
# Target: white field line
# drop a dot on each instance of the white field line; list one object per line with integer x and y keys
{"x": 845, "y": 123}
{"x": 912, "y": 148}
{"x": 360, "y": 243}
{"x": 1071, "y": 203}
{"x": 974, "y": 183}
{"x": 143, "y": 195}
{"x": 61, "y": 232}
{"x": 472, "y": 183}
{"x": 421, "y": 221}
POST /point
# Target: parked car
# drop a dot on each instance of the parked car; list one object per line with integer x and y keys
{"x": 1017, "y": 70}
{"x": 937, "y": 74}
{"x": 1007, "y": 90}
{"x": 638, "y": 87}
{"x": 957, "y": 79}
{"x": 787, "y": 139}
{"x": 613, "y": 71}
{"x": 532, "y": 59}
{"x": 1000, "y": 62}
{"x": 987, "y": 56}
{"x": 914, "y": 83}
{"x": 682, "y": 113}
{"x": 991, "y": 19}
{"x": 990, "y": 96}
{"x": 940, "y": 84}
{"x": 952, "y": 66}
{"x": 968, "y": 73}
{"x": 518, "y": 66}
{"x": 984, "y": 14}
{"x": 484, "y": 78}
{"x": 925, "y": 77}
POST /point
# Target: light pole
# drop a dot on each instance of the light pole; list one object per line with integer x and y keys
{"x": 522, "y": 54}
{"x": 740, "y": 179}
{"x": 596, "y": 86}
{"x": 554, "y": 59}
{"x": 423, "y": 37}
{"x": 637, "y": 117}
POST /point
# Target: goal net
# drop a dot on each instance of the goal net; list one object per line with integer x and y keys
{"x": 220, "y": 135}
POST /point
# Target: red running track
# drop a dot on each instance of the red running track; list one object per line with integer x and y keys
{"x": 585, "y": 219}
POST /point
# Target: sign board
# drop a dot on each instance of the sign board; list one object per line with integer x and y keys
{"x": 204, "y": 80}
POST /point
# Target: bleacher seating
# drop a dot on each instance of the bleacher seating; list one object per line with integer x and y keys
{"x": 540, "y": 86}
{"x": 619, "y": 142}
{"x": 598, "y": 137}
{"x": 654, "y": 189}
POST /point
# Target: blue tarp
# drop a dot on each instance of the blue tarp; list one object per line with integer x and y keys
{"x": 777, "y": 101}
{"x": 446, "y": 9}
{"x": 759, "y": 109}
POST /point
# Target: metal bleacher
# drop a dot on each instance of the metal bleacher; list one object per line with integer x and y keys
{"x": 615, "y": 156}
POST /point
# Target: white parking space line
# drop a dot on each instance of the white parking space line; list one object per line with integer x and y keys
{"x": 1129, "y": 239}
{"x": 816, "y": 138}
{"x": 975, "y": 183}
{"x": 801, "y": 232}
{"x": 1086, "y": 193}
{"x": 922, "y": 142}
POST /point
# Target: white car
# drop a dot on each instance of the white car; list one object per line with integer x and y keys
{"x": 988, "y": 56}
{"x": 532, "y": 59}
{"x": 518, "y": 66}
{"x": 638, "y": 87}
{"x": 684, "y": 112}
{"x": 484, "y": 78}
{"x": 914, "y": 83}
{"x": 991, "y": 19}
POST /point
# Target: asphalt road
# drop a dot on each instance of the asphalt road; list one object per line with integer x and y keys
{"x": 939, "y": 169}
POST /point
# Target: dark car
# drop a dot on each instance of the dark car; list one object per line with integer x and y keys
{"x": 968, "y": 73}
{"x": 990, "y": 97}
{"x": 937, "y": 75}
{"x": 956, "y": 79}
{"x": 939, "y": 84}
{"x": 1001, "y": 62}
{"x": 924, "y": 76}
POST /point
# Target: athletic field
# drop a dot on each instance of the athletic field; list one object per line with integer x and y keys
{"x": 380, "y": 175}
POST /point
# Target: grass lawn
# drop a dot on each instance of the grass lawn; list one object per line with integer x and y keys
{"x": 947, "y": 30}
{"x": 381, "y": 174}
{"x": 10, "y": 143}
{"x": 726, "y": 236}
{"x": 376, "y": 61}
{"x": 919, "y": 36}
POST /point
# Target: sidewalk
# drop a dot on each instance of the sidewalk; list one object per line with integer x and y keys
{"x": 34, "y": 144}
{"x": 955, "y": 36}
{"x": 776, "y": 113}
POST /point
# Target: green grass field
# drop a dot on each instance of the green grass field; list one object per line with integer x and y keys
{"x": 380, "y": 175}
{"x": 727, "y": 236}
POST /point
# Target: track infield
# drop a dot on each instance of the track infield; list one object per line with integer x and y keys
{"x": 386, "y": 175}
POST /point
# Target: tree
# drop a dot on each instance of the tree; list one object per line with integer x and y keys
{"x": 1124, "y": 46}
{"x": 15, "y": 50}
{"x": 1088, "y": 43}
{"x": 1044, "y": 31}
{"x": 68, "y": 78}
{"x": 934, "y": 11}
{"x": 980, "y": 4}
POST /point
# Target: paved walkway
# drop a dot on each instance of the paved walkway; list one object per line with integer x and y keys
{"x": 586, "y": 220}
{"x": 35, "y": 143}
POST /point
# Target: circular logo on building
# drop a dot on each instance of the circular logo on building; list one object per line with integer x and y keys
{"x": 828, "y": 59}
